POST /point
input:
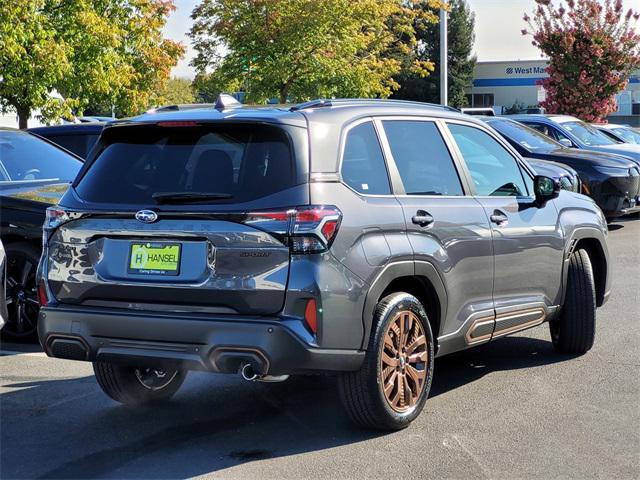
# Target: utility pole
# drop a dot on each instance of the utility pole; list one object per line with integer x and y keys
{"x": 444, "y": 87}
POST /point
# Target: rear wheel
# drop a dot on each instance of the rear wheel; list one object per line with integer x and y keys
{"x": 137, "y": 385}
{"x": 391, "y": 387}
{"x": 575, "y": 330}
{"x": 21, "y": 292}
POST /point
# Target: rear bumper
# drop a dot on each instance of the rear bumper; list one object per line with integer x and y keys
{"x": 219, "y": 345}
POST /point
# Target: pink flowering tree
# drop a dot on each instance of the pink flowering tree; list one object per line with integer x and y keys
{"x": 592, "y": 48}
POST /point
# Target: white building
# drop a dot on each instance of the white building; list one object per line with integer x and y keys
{"x": 503, "y": 84}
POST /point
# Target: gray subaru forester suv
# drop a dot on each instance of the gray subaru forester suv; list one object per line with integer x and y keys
{"x": 356, "y": 237}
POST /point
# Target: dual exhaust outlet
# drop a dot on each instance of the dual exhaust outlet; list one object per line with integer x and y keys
{"x": 249, "y": 373}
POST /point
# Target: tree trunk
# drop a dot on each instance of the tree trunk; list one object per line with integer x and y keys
{"x": 284, "y": 92}
{"x": 23, "y": 116}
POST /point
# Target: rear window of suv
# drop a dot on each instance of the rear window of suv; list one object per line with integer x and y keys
{"x": 239, "y": 162}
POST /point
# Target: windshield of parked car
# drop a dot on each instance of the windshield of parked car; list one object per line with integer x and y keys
{"x": 587, "y": 134}
{"x": 531, "y": 139}
{"x": 25, "y": 158}
{"x": 628, "y": 134}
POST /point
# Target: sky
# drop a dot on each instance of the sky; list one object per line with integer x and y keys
{"x": 498, "y": 25}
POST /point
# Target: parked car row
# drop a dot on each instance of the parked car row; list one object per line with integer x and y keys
{"x": 612, "y": 180}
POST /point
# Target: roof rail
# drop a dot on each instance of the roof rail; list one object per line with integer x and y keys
{"x": 366, "y": 101}
{"x": 318, "y": 102}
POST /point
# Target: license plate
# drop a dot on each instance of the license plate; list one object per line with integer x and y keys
{"x": 155, "y": 258}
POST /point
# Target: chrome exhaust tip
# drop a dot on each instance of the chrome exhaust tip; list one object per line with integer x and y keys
{"x": 272, "y": 378}
{"x": 248, "y": 373}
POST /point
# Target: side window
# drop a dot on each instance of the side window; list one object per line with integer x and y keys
{"x": 557, "y": 134}
{"x": 423, "y": 160}
{"x": 493, "y": 169}
{"x": 540, "y": 127}
{"x": 363, "y": 167}
{"x": 78, "y": 144}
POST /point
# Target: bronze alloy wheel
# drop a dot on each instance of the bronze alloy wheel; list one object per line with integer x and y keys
{"x": 403, "y": 361}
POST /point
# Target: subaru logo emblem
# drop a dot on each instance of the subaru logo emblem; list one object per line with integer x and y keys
{"x": 146, "y": 216}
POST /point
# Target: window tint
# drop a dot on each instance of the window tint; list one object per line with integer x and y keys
{"x": 363, "y": 167}
{"x": 245, "y": 162}
{"x": 24, "y": 157}
{"x": 425, "y": 164}
{"x": 493, "y": 170}
{"x": 78, "y": 144}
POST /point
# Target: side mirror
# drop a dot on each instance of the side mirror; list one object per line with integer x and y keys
{"x": 566, "y": 142}
{"x": 545, "y": 188}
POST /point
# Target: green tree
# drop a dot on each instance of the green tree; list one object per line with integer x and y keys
{"x": 592, "y": 48}
{"x": 299, "y": 49}
{"x": 93, "y": 52}
{"x": 461, "y": 61}
{"x": 176, "y": 91}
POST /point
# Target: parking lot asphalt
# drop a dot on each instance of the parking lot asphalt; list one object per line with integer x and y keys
{"x": 510, "y": 409}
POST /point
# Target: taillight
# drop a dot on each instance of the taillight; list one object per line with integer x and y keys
{"x": 55, "y": 216}
{"x": 314, "y": 228}
{"x": 309, "y": 229}
{"x": 311, "y": 315}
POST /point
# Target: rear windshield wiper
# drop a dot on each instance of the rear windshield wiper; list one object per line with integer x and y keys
{"x": 188, "y": 197}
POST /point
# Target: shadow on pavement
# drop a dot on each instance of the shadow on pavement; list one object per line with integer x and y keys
{"x": 68, "y": 429}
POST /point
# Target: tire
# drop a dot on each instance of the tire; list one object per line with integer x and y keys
{"x": 575, "y": 330}
{"x": 363, "y": 392}
{"x": 21, "y": 292}
{"x": 125, "y": 384}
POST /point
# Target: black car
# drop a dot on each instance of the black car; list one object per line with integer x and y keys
{"x": 611, "y": 180}
{"x": 78, "y": 138}
{"x": 34, "y": 174}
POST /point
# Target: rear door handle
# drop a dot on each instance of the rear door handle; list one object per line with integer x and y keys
{"x": 422, "y": 218}
{"x": 499, "y": 218}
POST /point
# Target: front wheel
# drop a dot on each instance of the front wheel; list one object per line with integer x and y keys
{"x": 391, "y": 387}
{"x": 137, "y": 385}
{"x": 21, "y": 296}
{"x": 575, "y": 330}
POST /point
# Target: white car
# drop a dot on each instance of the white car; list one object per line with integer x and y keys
{"x": 619, "y": 133}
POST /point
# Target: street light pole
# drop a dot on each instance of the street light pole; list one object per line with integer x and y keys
{"x": 444, "y": 100}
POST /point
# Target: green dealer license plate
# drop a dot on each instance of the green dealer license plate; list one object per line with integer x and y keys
{"x": 155, "y": 258}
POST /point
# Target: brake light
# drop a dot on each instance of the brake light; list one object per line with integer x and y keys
{"x": 184, "y": 123}
{"x": 309, "y": 229}
{"x": 311, "y": 315}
